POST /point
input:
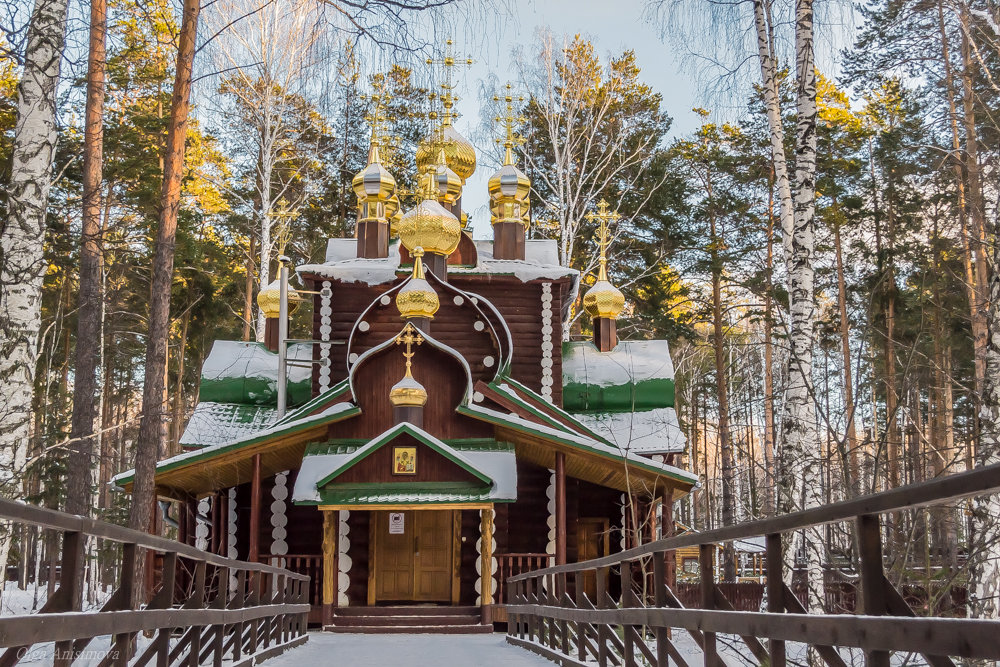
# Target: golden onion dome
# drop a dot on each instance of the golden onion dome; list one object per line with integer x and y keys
{"x": 408, "y": 393}
{"x": 374, "y": 182}
{"x": 269, "y": 300}
{"x": 430, "y": 226}
{"x": 417, "y": 298}
{"x": 604, "y": 300}
{"x": 459, "y": 152}
{"x": 509, "y": 181}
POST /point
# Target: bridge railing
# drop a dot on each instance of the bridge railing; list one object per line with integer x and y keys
{"x": 203, "y": 609}
{"x": 634, "y": 626}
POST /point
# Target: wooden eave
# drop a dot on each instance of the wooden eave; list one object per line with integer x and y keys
{"x": 234, "y": 466}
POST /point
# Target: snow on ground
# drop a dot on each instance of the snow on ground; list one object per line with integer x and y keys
{"x": 412, "y": 650}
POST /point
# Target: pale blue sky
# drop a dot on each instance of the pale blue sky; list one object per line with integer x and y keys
{"x": 612, "y": 26}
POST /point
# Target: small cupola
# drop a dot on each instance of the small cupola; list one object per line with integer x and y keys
{"x": 375, "y": 188}
{"x": 417, "y": 301}
{"x": 408, "y": 396}
{"x": 269, "y": 302}
{"x": 509, "y": 193}
{"x": 603, "y": 301}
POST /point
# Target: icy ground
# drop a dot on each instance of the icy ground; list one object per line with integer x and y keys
{"x": 411, "y": 650}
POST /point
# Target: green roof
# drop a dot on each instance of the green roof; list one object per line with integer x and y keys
{"x": 635, "y": 376}
{"x": 422, "y": 493}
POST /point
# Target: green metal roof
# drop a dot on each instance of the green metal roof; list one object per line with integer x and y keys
{"x": 635, "y": 376}
{"x": 409, "y": 493}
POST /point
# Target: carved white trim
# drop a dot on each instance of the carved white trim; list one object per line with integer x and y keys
{"x": 325, "y": 333}
{"x": 279, "y": 518}
{"x": 494, "y": 565}
{"x": 202, "y": 527}
{"x": 547, "y": 378}
{"x": 624, "y": 524}
{"x": 343, "y": 559}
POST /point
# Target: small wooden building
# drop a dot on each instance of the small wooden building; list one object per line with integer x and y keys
{"x": 442, "y": 435}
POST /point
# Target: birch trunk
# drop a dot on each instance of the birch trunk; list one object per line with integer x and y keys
{"x": 800, "y": 484}
{"x": 88, "y": 328}
{"x": 149, "y": 445}
{"x": 22, "y": 262}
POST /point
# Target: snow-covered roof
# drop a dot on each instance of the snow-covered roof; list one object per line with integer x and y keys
{"x": 584, "y": 442}
{"x": 331, "y": 414}
{"x": 495, "y": 465}
{"x": 636, "y": 375}
{"x": 541, "y": 263}
{"x": 653, "y": 431}
{"x": 247, "y": 372}
{"x": 213, "y": 423}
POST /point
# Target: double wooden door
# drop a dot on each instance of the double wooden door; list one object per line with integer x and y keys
{"x": 416, "y": 563}
{"x": 591, "y": 542}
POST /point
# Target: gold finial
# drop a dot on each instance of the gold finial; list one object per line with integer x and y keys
{"x": 417, "y": 298}
{"x": 448, "y": 62}
{"x": 603, "y": 235}
{"x": 603, "y": 300}
{"x": 408, "y": 392}
{"x": 408, "y": 337}
{"x": 509, "y": 120}
{"x": 378, "y": 117}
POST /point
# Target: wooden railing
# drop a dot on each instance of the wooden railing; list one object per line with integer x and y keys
{"x": 635, "y": 625}
{"x": 310, "y": 565}
{"x": 202, "y": 608}
{"x": 512, "y": 564}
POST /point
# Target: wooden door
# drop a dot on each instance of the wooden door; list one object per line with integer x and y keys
{"x": 415, "y": 566}
{"x": 393, "y": 560}
{"x": 591, "y": 542}
{"x": 433, "y": 549}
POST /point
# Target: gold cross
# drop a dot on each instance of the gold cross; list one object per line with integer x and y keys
{"x": 448, "y": 63}
{"x": 508, "y": 120}
{"x": 408, "y": 338}
{"x": 603, "y": 237}
{"x": 283, "y": 213}
{"x": 380, "y": 97}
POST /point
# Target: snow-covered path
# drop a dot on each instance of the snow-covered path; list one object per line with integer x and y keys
{"x": 412, "y": 650}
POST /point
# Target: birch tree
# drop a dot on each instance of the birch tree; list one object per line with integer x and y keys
{"x": 592, "y": 132}
{"x": 22, "y": 265}
{"x": 269, "y": 58}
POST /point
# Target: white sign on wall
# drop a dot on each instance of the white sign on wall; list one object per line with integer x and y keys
{"x": 396, "y": 523}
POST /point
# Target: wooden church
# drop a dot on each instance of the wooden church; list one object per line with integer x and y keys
{"x": 441, "y": 433}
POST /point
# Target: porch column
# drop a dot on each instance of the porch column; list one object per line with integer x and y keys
{"x": 486, "y": 587}
{"x": 331, "y": 524}
{"x": 255, "y": 512}
{"x": 560, "y": 508}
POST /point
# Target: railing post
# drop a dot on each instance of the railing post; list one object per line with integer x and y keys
{"x": 122, "y": 647}
{"x": 166, "y": 601}
{"x": 198, "y": 602}
{"x": 221, "y": 599}
{"x": 627, "y": 600}
{"x": 237, "y": 603}
{"x": 872, "y": 578}
{"x": 660, "y": 600}
{"x": 602, "y": 628}
{"x": 706, "y": 567}
{"x": 562, "y": 592}
{"x": 70, "y": 588}
{"x": 581, "y": 627}
{"x": 775, "y": 593}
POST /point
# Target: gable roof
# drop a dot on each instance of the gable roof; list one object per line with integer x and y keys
{"x": 214, "y": 423}
{"x": 421, "y": 436}
{"x": 493, "y": 464}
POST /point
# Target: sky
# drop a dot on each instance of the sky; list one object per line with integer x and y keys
{"x": 613, "y": 26}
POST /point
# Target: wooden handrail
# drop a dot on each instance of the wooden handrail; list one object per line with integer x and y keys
{"x": 264, "y": 613}
{"x": 540, "y": 610}
{"x": 941, "y": 490}
{"x": 42, "y": 517}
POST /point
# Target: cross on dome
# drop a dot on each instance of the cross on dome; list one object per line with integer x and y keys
{"x": 509, "y": 119}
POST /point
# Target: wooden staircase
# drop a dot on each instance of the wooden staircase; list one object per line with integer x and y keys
{"x": 408, "y": 619}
